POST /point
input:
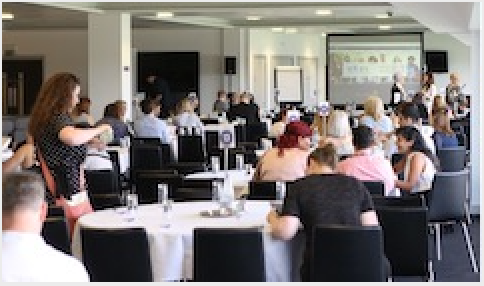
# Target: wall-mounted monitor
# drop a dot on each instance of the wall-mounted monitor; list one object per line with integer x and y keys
{"x": 436, "y": 61}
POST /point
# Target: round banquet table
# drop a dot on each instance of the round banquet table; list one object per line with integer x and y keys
{"x": 170, "y": 238}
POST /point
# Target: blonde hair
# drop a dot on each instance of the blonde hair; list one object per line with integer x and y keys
{"x": 338, "y": 124}
{"x": 374, "y": 107}
{"x": 441, "y": 121}
{"x": 320, "y": 123}
{"x": 186, "y": 105}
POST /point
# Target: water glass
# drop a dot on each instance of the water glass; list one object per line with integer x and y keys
{"x": 181, "y": 131}
{"x": 280, "y": 191}
{"x": 131, "y": 206}
{"x": 248, "y": 169}
{"x": 216, "y": 190}
{"x": 239, "y": 161}
{"x": 162, "y": 193}
{"x": 215, "y": 163}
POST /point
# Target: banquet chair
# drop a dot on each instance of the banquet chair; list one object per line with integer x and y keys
{"x": 116, "y": 255}
{"x": 262, "y": 190}
{"x": 347, "y": 253}
{"x": 447, "y": 205}
{"x": 190, "y": 149}
{"x": 452, "y": 159}
{"x": 405, "y": 238}
{"x": 375, "y": 187}
{"x": 406, "y": 201}
{"x": 55, "y": 232}
{"x": 147, "y": 184}
{"x": 228, "y": 255}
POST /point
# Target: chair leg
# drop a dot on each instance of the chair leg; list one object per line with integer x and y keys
{"x": 470, "y": 249}
{"x": 437, "y": 241}
{"x": 431, "y": 274}
{"x": 467, "y": 211}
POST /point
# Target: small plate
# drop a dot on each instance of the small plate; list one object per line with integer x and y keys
{"x": 218, "y": 213}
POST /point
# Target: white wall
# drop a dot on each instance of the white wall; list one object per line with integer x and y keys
{"x": 458, "y": 58}
{"x": 63, "y": 51}
{"x": 67, "y": 50}
{"x": 268, "y": 43}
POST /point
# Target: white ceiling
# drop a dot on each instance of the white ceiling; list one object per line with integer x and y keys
{"x": 347, "y": 16}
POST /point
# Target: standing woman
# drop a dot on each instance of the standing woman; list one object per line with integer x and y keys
{"x": 429, "y": 90}
{"x": 61, "y": 146}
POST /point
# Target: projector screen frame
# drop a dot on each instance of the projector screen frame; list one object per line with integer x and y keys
{"x": 328, "y": 37}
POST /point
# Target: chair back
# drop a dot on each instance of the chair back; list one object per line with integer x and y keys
{"x": 447, "y": 198}
{"x": 55, "y": 232}
{"x": 116, "y": 255}
{"x": 104, "y": 201}
{"x": 375, "y": 187}
{"x": 146, "y": 140}
{"x": 405, "y": 237}
{"x": 145, "y": 157}
{"x": 228, "y": 255}
{"x": 407, "y": 201}
{"x": 190, "y": 148}
{"x": 256, "y": 131}
{"x": 452, "y": 159}
{"x": 147, "y": 184}
{"x": 347, "y": 253}
{"x": 262, "y": 190}
{"x": 102, "y": 181}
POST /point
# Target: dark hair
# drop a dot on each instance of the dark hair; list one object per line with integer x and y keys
{"x": 410, "y": 133}
{"x": 430, "y": 80}
{"x": 293, "y": 131}
{"x": 110, "y": 110}
{"x": 54, "y": 98}
{"x": 147, "y": 105}
{"x": 363, "y": 137}
{"x": 411, "y": 111}
{"x": 325, "y": 155}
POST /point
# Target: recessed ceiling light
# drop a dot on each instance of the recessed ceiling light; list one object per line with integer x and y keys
{"x": 164, "y": 14}
{"x": 324, "y": 12}
{"x": 323, "y": 34}
{"x": 7, "y": 16}
{"x": 384, "y": 27}
{"x": 291, "y": 30}
{"x": 381, "y": 16}
{"x": 252, "y": 18}
{"x": 277, "y": 29}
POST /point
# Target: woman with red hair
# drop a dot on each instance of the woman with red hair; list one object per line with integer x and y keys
{"x": 287, "y": 161}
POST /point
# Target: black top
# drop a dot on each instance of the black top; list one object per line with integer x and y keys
{"x": 160, "y": 86}
{"x": 63, "y": 160}
{"x": 326, "y": 199}
{"x": 248, "y": 111}
{"x": 394, "y": 90}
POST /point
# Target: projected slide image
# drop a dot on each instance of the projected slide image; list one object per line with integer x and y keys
{"x": 373, "y": 66}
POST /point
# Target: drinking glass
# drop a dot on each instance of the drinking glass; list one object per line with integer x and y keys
{"x": 215, "y": 162}
{"x": 162, "y": 193}
{"x": 239, "y": 161}
{"x": 131, "y": 206}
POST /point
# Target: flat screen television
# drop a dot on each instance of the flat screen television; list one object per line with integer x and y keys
{"x": 436, "y": 61}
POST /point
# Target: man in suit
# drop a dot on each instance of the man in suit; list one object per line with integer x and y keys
{"x": 245, "y": 110}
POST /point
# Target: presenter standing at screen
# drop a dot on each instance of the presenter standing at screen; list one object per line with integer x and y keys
{"x": 398, "y": 92}
{"x": 429, "y": 90}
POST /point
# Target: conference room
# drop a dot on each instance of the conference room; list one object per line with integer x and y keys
{"x": 211, "y": 120}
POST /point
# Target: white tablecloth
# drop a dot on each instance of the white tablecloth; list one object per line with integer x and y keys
{"x": 239, "y": 178}
{"x": 171, "y": 247}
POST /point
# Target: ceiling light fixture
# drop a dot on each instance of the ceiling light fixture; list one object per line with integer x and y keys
{"x": 384, "y": 27}
{"x": 164, "y": 15}
{"x": 323, "y": 34}
{"x": 291, "y": 30}
{"x": 7, "y": 16}
{"x": 381, "y": 16}
{"x": 277, "y": 29}
{"x": 324, "y": 12}
{"x": 252, "y": 18}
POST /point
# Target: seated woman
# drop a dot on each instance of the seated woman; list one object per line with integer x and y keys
{"x": 444, "y": 136}
{"x": 419, "y": 166}
{"x": 80, "y": 113}
{"x": 113, "y": 115}
{"x": 375, "y": 118}
{"x": 23, "y": 158}
{"x": 338, "y": 132}
{"x": 221, "y": 105}
{"x": 187, "y": 117}
{"x": 287, "y": 161}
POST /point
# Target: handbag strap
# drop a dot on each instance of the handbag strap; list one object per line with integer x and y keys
{"x": 49, "y": 179}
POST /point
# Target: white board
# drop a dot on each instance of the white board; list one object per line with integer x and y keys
{"x": 288, "y": 83}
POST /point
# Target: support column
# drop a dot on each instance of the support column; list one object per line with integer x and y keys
{"x": 110, "y": 68}
{"x": 235, "y": 44}
{"x": 476, "y": 123}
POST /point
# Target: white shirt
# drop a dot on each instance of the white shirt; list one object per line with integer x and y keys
{"x": 425, "y": 179}
{"x": 26, "y": 257}
{"x": 428, "y": 97}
